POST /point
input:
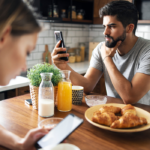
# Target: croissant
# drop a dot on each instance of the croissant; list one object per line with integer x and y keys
{"x": 129, "y": 121}
{"x": 106, "y": 118}
{"x": 128, "y": 109}
{"x": 112, "y": 109}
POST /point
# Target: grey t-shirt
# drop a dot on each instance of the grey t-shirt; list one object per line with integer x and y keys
{"x": 136, "y": 60}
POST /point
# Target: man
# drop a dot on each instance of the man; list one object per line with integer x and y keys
{"x": 123, "y": 58}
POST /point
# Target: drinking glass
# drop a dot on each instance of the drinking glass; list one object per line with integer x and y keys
{"x": 64, "y": 102}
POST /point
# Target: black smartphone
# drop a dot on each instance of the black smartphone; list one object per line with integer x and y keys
{"x": 28, "y": 101}
{"x": 60, "y": 132}
{"x": 59, "y": 37}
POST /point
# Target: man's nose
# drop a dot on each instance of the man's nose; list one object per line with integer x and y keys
{"x": 106, "y": 31}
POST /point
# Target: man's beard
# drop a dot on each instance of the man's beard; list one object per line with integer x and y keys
{"x": 114, "y": 42}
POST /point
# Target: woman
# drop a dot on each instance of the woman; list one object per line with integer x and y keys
{"x": 18, "y": 35}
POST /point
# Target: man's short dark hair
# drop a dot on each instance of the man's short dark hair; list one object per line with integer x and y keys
{"x": 124, "y": 11}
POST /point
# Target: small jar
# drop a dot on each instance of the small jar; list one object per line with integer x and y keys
{"x": 55, "y": 11}
{"x": 80, "y": 14}
{"x": 78, "y": 56}
{"x": 63, "y": 13}
{"x": 72, "y": 57}
{"x": 50, "y": 11}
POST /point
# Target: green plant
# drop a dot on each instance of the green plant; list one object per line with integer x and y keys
{"x": 34, "y": 74}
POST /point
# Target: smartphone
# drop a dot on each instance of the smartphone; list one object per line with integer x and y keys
{"x": 60, "y": 132}
{"x": 28, "y": 101}
{"x": 59, "y": 37}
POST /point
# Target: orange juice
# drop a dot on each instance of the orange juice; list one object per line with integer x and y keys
{"x": 64, "y": 96}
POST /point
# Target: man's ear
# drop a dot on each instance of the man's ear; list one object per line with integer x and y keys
{"x": 4, "y": 36}
{"x": 130, "y": 28}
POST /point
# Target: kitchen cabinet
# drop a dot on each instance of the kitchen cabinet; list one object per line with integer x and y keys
{"x": 143, "y": 7}
{"x": 62, "y": 11}
{"x": 90, "y": 7}
{"x": 15, "y": 92}
{"x": 97, "y": 5}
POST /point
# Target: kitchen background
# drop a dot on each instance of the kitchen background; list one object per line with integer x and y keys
{"x": 82, "y": 26}
{"x": 73, "y": 35}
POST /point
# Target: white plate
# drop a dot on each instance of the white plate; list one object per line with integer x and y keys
{"x": 63, "y": 146}
{"x": 140, "y": 112}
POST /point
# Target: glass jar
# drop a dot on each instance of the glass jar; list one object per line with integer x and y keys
{"x": 46, "y": 96}
{"x": 63, "y": 13}
{"x": 73, "y": 11}
{"x": 55, "y": 11}
{"x": 80, "y": 14}
{"x": 72, "y": 57}
{"x": 82, "y": 50}
{"x": 64, "y": 95}
{"x": 50, "y": 11}
{"x": 78, "y": 56}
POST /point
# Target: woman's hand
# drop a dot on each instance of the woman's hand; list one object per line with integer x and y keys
{"x": 28, "y": 142}
{"x": 61, "y": 64}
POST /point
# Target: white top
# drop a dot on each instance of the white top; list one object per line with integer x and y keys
{"x": 18, "y": 82}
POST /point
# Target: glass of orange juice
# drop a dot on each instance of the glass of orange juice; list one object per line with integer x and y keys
{"x": 64, "y": 97}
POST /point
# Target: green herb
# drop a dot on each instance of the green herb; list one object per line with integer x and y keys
{"x": 34, "y": 74}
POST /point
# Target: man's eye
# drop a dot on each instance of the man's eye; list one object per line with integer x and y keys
{"x": 28, "y": 53}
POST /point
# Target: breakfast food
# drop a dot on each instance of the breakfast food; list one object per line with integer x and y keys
{"x": 112, "y": 109}
{"x": 129, "y": 122}
{"x": 106, "y": 116}
{"x": 128, "y": 109}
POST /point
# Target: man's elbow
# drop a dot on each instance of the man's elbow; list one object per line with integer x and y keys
{"x": 87, "y": 90}
{"x": 129, "y": 100}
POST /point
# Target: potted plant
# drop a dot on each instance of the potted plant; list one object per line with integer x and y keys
{"x": 35, "y": 79}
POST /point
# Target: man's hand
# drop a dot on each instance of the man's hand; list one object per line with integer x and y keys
{"x": 61, "y": 64}
{"x": 110, "y": 52}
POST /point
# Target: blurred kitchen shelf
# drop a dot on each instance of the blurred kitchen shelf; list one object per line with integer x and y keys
{"x": 143, "y": 21}
{"x": 66, "y": 20}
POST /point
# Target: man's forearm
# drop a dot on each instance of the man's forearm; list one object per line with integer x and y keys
{"x": 9, "y": 140}
{"x": 120, "y": 83}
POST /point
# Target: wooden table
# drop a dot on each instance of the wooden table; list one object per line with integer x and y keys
{"x": 19, "y": 118}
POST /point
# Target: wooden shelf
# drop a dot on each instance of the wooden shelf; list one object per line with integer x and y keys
{"x": 82, "y": 21}
{"x": 77, "y": 20}
{"x": 144, "y": 21}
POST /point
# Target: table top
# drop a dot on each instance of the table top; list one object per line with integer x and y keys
{"x": 18, "y": 82}
{"x": 18, "y": 118}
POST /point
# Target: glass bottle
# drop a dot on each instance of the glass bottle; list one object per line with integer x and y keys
{"x": 63, "y": 13}
{"x": 73, "y": 11}
{"x": 72, "y": 57}
{"x": 50, "y": 11}
{"x": 46, "y": 96}
{"x": 55, "y": 11}
{"x": 64, "y": 97}
{"x": 78, "y": 55}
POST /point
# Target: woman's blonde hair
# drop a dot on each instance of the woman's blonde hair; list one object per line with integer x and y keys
{"x": 16, "y": 14}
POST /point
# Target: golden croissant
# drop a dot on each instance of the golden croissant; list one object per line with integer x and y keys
{"x": 128, "y": 109}
{"x": 112, "y": 109}
{"x": 129, "y": 121}
{"x": 106, "y": 118}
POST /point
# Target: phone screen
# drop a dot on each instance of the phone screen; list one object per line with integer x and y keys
{"x": 59, "y": 37}
{"x": 60, "y": 132}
